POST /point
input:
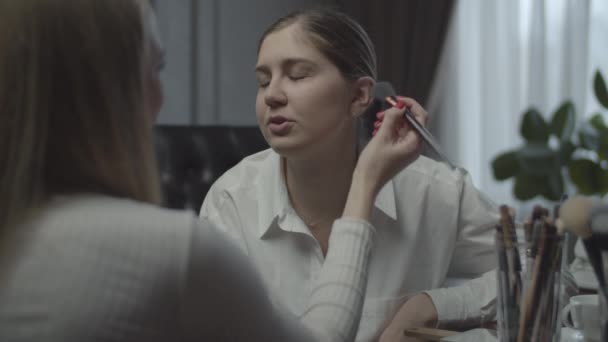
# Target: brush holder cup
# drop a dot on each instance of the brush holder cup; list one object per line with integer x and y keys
{"x": 528, "y": 285}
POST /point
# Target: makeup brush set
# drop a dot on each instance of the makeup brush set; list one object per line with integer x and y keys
{"x": 530, "y": 267}
{"x": 529, "y": 277}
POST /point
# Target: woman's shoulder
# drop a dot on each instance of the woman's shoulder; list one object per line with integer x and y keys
{"x": 111, "y": 216}
{"x": 117, "y": 231}
{"x": 432, "y": 172}
{"x": 97, "y": 250}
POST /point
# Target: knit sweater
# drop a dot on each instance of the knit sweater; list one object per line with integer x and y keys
{"x": 97, "y": 268}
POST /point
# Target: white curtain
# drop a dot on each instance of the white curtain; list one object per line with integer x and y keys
{"x": 502, "y": 57}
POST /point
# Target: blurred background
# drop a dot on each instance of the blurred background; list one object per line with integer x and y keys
{"x": 476, "y": 65}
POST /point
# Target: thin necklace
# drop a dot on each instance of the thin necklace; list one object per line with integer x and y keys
{"x": 311, "y": 224}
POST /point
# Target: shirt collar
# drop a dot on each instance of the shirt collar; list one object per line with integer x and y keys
{"x": 273, "y": 202}
{"x": 274, "y": 206}
{"x": 385, "y": 200}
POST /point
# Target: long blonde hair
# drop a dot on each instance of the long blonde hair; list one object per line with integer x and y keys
{"x": 72, "y": 116}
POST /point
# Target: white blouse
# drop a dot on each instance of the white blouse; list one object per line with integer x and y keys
{"x": 431, "y": 223}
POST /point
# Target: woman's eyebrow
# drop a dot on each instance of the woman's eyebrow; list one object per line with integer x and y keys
{"x": 286, "y": 63}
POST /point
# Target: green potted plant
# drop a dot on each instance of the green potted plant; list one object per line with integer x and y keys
{"x": 556, "y": 150}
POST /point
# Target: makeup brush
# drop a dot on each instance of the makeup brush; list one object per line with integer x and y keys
{"x": 538, "y": 216}
{"x": 537, "y": 306}
{"x": 508, "y": 305}
{"x": 569, "y": 284}
{"x": 532, "y": 229}
{"x": 428, "y": 334}
{"x": 384, "y": 92}
{"x": 575, "y": 216}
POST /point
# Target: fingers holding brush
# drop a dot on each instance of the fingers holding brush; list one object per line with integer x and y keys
{"x": 416, "y": 109}
{"x": 397, "y": 133}
{"x": 394, "y": 146}
{"x": 419, "y": 113}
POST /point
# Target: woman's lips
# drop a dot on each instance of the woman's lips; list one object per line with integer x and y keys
{"x": 279, "y": 125}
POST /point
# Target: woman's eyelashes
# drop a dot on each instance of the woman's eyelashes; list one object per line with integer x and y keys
{"x": 263, "y": 84}
{"x": 290, "y": 77}
{"x": 299, "y": 72}
{"x": 294, "y": 75}
{"x": 297, "y": 77}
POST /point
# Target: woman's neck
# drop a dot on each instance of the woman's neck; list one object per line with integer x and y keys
{"x": 318, "y": 186}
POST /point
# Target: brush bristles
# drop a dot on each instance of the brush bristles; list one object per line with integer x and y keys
{"x": 382, "y": 90}
{"x": 575, "y": 215}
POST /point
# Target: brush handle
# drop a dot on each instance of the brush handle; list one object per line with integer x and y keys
{"x": 537, "y": 297}
{"x": 537, "y": 227}
{"x": 428, "y": 334}
{"x": 427, "y": 136}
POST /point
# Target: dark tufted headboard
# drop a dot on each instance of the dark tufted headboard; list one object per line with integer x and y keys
{"x": 191, "y": 158}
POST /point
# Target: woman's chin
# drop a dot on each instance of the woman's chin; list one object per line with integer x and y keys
{"x": 287, "y": 148}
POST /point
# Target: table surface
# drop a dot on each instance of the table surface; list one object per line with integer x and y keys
{"x": 485, "y": 335}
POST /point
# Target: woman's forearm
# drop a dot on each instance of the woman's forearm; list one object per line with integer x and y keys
{"x": 361, "y": 197}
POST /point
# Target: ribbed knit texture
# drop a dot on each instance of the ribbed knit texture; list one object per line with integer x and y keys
{"x": 94, "y": 268}
{"x": 337, "y": 298}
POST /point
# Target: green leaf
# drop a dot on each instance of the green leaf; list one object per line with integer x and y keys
{"x": 602, "y": 150}
{"x": 588, "y": 177}
{"x": 527, "y": 187}
{"x": 566, "y": 150}
{"x": 599, "y": 86}
{"x": 554, "y": 186}
{"x": 505, "y": 165}
{"x": 564, "y": 121}
{"x": 589, "y": 138}
{"x": 537, "y": 159}
{"x": 534, "y": 128}
{"x": 597, "y": 122}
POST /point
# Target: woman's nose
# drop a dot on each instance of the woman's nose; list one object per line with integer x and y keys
{"x": 274, "y": 95}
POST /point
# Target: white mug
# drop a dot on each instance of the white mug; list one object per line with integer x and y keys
{"x": 583, "y": 313}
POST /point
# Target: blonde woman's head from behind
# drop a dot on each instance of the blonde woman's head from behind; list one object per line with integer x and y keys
{"x": 79, "y": 92}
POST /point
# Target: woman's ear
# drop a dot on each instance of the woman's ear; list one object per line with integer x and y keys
{"x": 362, "y": 95}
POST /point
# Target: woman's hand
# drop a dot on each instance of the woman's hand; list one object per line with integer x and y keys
{"x": 418, "y": 311}
{"x": 395, "y": 144}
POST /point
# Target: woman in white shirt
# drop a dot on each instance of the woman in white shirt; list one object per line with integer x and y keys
{"x": 85, "y": 253}
{"x": 316, "y": 69}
